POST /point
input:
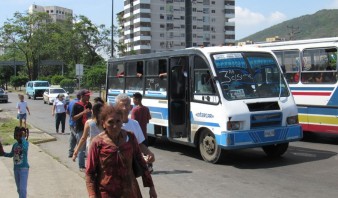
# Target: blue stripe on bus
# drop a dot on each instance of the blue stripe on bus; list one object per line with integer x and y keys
{"x": 162, "y": 113}
{"x": 312, "y": 88}
{"x": 159, "y": 112}
{"x": 245, "y": 139}
{"x": 334, "y": 98}
{"x": 318, "y": 110}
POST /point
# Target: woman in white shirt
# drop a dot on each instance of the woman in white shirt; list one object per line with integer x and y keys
{"x": 59, "y": 110}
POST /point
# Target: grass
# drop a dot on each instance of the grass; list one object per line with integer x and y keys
{"x": 7, "y": 126}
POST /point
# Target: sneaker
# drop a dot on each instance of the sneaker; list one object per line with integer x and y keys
{"x": 82, "y": 169}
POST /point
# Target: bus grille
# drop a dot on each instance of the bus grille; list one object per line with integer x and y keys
{"x": 266, "y": 120}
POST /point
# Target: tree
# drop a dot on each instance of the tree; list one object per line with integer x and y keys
{"x": 23, "y": 32}
{"x": 36, "y": 38}
{"x": 95, "y": 77}
{"x": 18, "y": 81}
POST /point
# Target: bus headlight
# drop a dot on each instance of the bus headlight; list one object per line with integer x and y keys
{"x": 292, "y": 120}
{"x": 233, "y": 125}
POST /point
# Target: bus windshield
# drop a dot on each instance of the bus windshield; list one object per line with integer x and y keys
{"x": 249, "y": 75}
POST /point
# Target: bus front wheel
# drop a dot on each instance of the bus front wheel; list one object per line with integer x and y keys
{"x": 275, "y": 150}
{"x": 208, "y": 147}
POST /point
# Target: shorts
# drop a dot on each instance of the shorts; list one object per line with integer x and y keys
{"x": 21, "y": 116}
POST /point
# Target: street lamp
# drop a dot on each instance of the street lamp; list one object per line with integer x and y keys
{"x": 112, "y": 29}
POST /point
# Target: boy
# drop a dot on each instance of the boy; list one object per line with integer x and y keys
{"x": 22, "y": 110}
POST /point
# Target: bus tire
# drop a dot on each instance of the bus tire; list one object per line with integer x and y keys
{"x": 208, "y": 147}
{"x": 275, "y": 150}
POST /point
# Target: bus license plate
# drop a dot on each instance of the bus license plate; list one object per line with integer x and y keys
{"x": 269, "y": 133}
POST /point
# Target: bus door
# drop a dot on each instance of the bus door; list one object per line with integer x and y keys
{"x": 179, "y": 97}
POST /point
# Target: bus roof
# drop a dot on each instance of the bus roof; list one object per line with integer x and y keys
{"x": 193, "y": 50}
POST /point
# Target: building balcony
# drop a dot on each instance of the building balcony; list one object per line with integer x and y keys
{"x": 139, "y": 29}
{"x": 142, "y": 38}
{"x": 139, "y": 1}
{"x": 142, "y": 47}
{"x": 142, "y": 20}
{"x": 229, "y": 7}
{"x": 229, "y": 15}
{"x": 229, "y": 24}
{"x": 228, "y": 32}
{"x": 138, "y": 11}
{"x": 229, "y": 41}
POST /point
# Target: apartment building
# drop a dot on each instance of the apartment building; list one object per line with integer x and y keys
{"x": 55, "y": 12}
{"x": 160, "y": 25}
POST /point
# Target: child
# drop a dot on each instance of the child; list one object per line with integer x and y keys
{"x": 19, "y": 153}
{"x": 22, "y": 109}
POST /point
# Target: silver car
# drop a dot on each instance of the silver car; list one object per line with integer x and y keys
{"x": 3, "y": 95}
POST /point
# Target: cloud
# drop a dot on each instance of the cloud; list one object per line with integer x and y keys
{"x": 334, "y": 4}
{"x": 249, "y": 22}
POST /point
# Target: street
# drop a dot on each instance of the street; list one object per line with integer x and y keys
{"x": 308, "y": 169}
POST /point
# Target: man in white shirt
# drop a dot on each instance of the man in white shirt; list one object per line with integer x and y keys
{"x": 123, "y": 102}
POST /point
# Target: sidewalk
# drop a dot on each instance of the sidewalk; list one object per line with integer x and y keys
{"x": 47, "y": 176}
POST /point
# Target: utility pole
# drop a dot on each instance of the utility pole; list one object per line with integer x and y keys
{"x": 112, "y": 29}
{"x": 293, "y": 32}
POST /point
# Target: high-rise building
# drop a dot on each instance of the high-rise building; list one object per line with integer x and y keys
{"x": 55, "y": 12}
{"x": 160, "y": 25}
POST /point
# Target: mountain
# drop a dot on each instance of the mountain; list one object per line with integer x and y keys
{"x": 323, "y": 23}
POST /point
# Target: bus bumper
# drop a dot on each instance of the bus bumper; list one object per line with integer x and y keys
{"x": 260, "y": 137}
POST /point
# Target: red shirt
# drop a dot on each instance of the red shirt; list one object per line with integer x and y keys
{"x": 109, "y": 170}
{"x": 142, "y": 115}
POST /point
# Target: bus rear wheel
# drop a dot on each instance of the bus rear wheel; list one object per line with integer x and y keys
{"x": 275, "y": 150}
{"x": 208, "y": 147}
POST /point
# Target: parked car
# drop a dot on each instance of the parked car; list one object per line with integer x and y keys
{"x": 3, "y": 95}
{"x": 36, "y": 88}
{"x": 51, "y": 93}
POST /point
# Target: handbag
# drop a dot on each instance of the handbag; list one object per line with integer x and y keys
{"x": 137, "y": 168}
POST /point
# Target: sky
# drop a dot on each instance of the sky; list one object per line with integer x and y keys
{"x": 251, "y": 16}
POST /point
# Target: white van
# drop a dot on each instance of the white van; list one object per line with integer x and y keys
{"x": 36, "y": 88}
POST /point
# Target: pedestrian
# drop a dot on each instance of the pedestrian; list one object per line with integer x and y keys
{"x": 123, "y": 103}
{"x": 109, "y": 170}
{"x": 92, "y": 128}
{"x": 19, "y": 153}
{"x": 80, "y": 114}
{"x": 59, "y": 111}
{"x": 141, "y": 114}
{"x": 72, "y": 137}
{"x": 22, "y": 110}
{"x": 98, "y": 99}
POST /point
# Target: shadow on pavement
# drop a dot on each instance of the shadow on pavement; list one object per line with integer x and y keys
{"x": 253, "y": 158}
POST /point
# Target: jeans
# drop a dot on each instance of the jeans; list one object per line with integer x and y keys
{"x": 60, "y": 118}
{"x": 81, "y": 154}
{"x": 21, "y": 177}
{"x": 72, "y": 140}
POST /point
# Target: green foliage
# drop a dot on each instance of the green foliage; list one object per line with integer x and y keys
{"x": 319, "y": 25}
{"x": 46, "y": 78}
{"x": 95, "y": 77}
{"x": 18, "y": 81}
{"x": 35, "y": 41}
{"x": 57, "y": 79}
{"x": 68, "y": 84}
